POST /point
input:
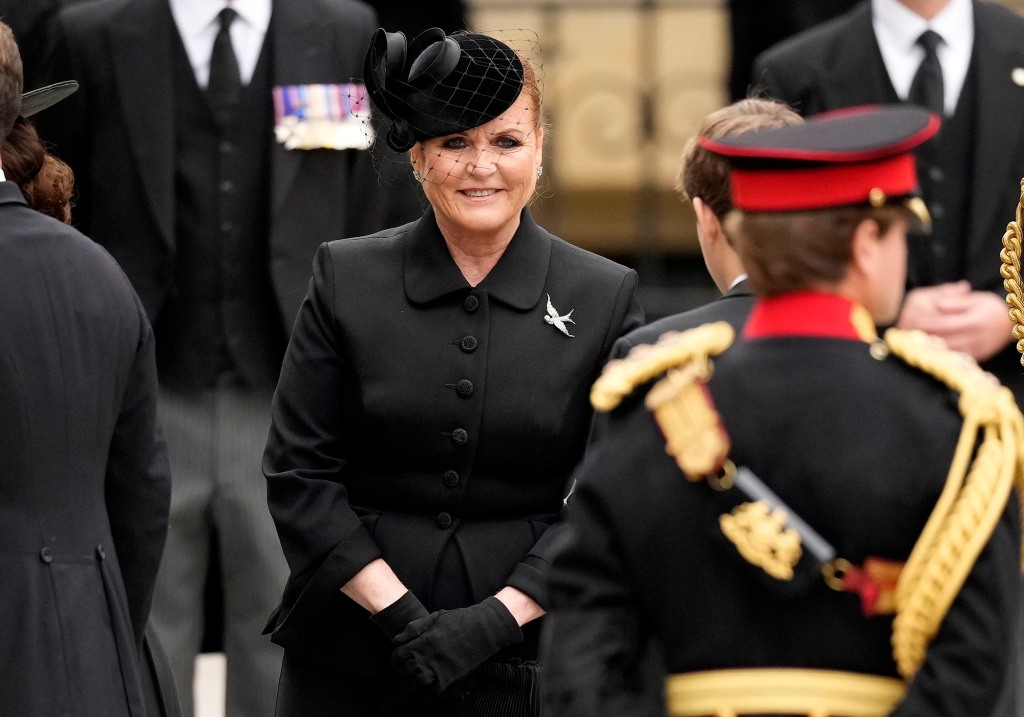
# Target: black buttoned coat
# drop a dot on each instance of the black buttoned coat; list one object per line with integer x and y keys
{"x": 84, "y": 483}
{"x": 422, "y": 420}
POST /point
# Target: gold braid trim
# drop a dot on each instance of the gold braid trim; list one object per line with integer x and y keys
{"x": 645, "y": 362}
{"x": 1010, "y": 271}
{"x": 972, "y": 501}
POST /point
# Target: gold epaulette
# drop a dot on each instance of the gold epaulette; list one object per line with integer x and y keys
{"x": 987, "y": 463}
{"x": 645, "y": 362}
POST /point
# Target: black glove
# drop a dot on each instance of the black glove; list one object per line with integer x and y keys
{"x": 393, "y": 619}
{"x": 440, "y": 649}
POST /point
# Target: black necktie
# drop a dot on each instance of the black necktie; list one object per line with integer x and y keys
{"x": 926, "y": 89}
{"x": 225, "y": 79}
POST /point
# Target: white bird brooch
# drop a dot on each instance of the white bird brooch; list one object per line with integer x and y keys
{"x": 557, "y": 321}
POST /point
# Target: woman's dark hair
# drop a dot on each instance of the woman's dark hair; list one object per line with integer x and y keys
{"x": 46, "y": 181}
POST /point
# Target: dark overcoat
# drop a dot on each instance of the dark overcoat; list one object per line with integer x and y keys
{"x": 84, "y": 487}
{"x": 420, "y": 419}
{"x": 646, "y": 585}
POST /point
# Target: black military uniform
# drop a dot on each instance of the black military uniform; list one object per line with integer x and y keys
{"x": 660, "y": 572}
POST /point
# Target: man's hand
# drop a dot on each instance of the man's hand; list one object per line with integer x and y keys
{"x": 975, "y": 322}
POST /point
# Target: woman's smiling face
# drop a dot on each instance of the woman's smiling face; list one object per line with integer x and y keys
{"x": 479, "y": 180}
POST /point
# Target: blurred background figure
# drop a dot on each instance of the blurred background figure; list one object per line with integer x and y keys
{"x": 183, "y": 174}
{"x": 86, "y": 488}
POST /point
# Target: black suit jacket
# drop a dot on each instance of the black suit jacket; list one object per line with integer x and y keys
{"x": 417, "y": 415}
{"x": 117, "y": 133}
{"x": 86, "y": 489}
{"x": 733, "y": 307}
{"x": 839, "y": 65}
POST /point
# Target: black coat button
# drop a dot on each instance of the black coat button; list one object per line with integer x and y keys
{"x": 451, "y": 479}
{"x": 464, "y": 388}
{"x": 444, "y": 521}
{"x": 468, "y": 344}
{"x": 101, "y": 552}
{"x": 936, "y": 174}
{"x": 471, "y": 303}
{"x": 46, "y": 555}
{"x": 460, "y": 437}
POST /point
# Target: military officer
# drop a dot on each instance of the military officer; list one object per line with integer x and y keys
{"x": 807, "y": 519}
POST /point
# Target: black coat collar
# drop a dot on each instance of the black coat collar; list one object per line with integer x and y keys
{"x": 517, "y": 280}
{"x": 10, "y": 193}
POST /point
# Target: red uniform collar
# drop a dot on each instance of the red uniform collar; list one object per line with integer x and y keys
{"x": 809, "y": 313}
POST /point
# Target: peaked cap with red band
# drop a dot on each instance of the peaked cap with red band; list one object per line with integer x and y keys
{"x": 861, "y": 155}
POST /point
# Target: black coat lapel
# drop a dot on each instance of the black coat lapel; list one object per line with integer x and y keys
{"x": 140, "y": 43}
{"x": 857, "y": 47}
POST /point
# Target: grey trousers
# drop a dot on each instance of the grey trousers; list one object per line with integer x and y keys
{"x": 215, "y": 439}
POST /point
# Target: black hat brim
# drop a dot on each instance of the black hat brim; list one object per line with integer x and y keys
{"x": 38, "y": 100}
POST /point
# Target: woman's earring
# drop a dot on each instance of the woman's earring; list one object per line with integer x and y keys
{"x": 416, "y": 176}
{"x": 540, "y": 171}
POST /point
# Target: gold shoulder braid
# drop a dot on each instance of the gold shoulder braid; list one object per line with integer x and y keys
{"x": 692, "y": 429}
{"x": 1010, "y": 271}
{"x": 972, "y": 501}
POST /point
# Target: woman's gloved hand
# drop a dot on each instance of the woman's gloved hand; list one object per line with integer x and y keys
{"x": 393, "y": 619}
{"x": 440, "y": 649}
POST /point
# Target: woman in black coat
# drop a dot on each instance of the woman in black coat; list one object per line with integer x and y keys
{"x": 85, "y": 488}
{"x": 432, "y": 405}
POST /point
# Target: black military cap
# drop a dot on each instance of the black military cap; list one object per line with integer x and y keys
{"x": 439, "y": 84}
{"x": 38, "y": 100}
{"x": 861, "y": 155}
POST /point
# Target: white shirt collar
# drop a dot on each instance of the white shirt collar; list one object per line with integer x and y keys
{"x": 196, "y": 21}
{"x": 3, "y": 177}
{"x": 194, "y": 17}
{"x": 737, "y": 280}
{"x": 897, "y": 29}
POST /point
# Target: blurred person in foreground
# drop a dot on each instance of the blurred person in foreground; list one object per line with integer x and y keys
{"x": 85, "y": 492}
{"x": 432, "y": 405}
{"x": 703, "y": 181}
{"x": 215, "y": 145}
{"x": 809, "y": 520}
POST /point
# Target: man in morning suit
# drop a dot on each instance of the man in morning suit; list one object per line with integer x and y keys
{"x": 703, "y": 180}
{"x": 965, "y": 60}
{"x": 172, "y": 139}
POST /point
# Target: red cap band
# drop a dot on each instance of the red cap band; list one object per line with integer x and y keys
{"x": 826, "y": 185}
